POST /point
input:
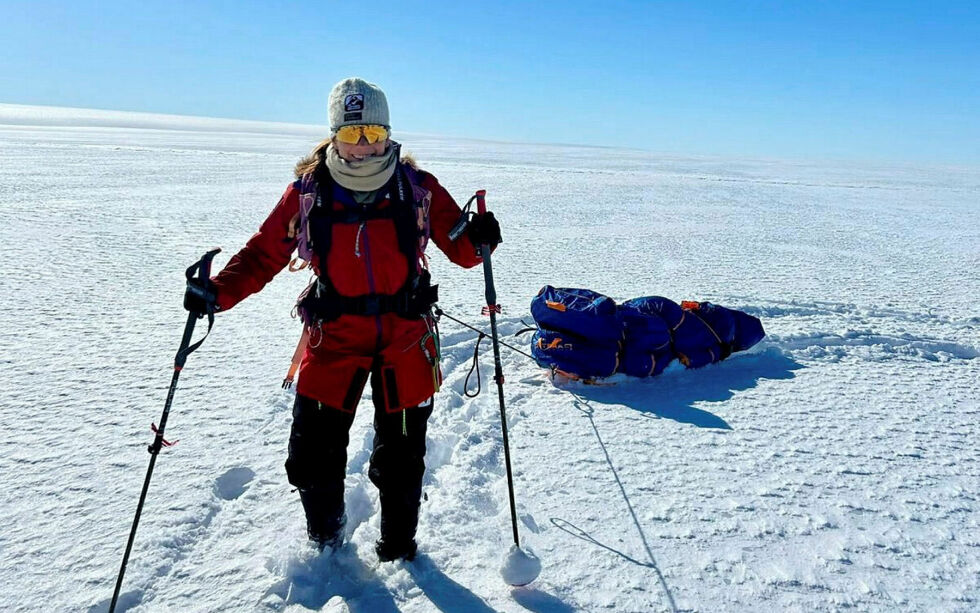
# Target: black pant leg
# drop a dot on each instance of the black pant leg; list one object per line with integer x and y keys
{"x": 398, "y": 465}
{"x": 317, "y": 464}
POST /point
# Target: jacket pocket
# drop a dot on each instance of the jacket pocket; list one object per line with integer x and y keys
{"x": 411, "y": 375}
{"x": 336, "y": 380}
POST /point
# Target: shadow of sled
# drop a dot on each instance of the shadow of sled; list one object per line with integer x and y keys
{"x": 672, "y": 394}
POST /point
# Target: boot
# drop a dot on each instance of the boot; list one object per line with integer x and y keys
{"x": 324, "y": 522}
{"x": 391, "y": 550}
{"x": 398, "y": 523}
{"x": 330, "y": 540}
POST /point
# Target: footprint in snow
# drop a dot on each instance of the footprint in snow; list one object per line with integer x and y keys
{"x": 528, "y": 521}
{"x": 233, "y": 483}
{"x": 127, "y": 600}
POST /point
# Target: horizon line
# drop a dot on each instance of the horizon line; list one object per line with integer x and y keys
{"x": 321, "y": 129}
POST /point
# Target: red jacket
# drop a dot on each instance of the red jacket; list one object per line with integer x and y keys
{"x": 365, "y": 260}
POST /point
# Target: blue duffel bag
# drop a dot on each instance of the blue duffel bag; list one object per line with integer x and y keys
{"x": 637, "y": 362}
{"x": 582, "y": 312}
{"x": 647, "y": 349}
{"x": 573, "y": 355}
{"x": 648, "y": 322}
{"x": 739, "y": 330}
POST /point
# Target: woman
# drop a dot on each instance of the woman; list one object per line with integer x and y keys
{"x": 361, "y": 215}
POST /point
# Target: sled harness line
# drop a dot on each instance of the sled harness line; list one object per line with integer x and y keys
{"x": 553, "y": 370}
{"x": 475, "y": 367}
{"x": 441, "y": 313}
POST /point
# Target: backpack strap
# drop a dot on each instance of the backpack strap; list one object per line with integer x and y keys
{"x": 307, "y": 200}
{"x": 316, "y": 188}
{"x": 408, "y": 208}
{"x": 423, "y": 203}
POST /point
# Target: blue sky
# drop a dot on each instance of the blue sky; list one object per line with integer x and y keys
{"x": 873, "y": 80}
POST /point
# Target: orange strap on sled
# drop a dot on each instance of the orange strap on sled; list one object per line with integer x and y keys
{"x": 304, "y": 340}
{"x": 573, "y": 377}
{"x": 552, "y": 345}
{"x": 690, "y": 305}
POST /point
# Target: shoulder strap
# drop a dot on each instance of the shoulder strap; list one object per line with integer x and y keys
{"x": 408, "y": 208}
{"x": 423, "y": 202}
{"x": 307, "y": 199}
{"x": 406, "y": 218}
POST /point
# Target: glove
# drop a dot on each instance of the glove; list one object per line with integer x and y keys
{"x": 484, "y": 230}
{"x": 199, "y": 300}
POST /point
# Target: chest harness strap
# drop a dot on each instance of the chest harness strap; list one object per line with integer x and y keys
{"x": 416, "y": 295}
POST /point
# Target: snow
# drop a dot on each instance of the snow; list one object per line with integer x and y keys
{"x": 520, "y": 566}
{"x": 833, "y": 466}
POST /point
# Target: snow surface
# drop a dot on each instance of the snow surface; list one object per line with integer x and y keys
{"x": 835, "y": 466}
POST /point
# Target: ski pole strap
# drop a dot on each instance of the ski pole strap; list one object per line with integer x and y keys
{"x": 186, "y": 351}
{"x": 474, "y": 367}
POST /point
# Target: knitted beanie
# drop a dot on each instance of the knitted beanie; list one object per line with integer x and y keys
{"x": 354, "y": 101}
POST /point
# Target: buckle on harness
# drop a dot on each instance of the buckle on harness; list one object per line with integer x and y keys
{"x": 372, "y": 305}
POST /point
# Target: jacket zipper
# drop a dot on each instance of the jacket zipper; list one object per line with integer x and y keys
{"x": 371, "y": 285}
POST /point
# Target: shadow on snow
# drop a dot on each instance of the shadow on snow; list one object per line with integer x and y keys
{"x": 312, "y": 582}
{"x": 450, "y": 597}
{"x": 538, "y": 601}
{"x": 672, "y": 395}
{"x": 583, "y": 405}
{"x": 446, "y": 595}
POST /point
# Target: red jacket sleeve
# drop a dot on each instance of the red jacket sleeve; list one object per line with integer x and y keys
{"x": 443, "y": 215}
{"x": 262, "y": 257}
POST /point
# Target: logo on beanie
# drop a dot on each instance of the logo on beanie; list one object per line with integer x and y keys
{"x": 354, "y": 102}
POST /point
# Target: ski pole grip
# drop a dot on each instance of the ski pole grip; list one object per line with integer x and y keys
{"x": 203, "y": 267}
{"x": 206, "y": 264}
{"x": 481, "y": 202}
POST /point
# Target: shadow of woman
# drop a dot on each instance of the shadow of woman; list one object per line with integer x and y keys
{"x": 312, "y": 582}
{"x": 672, "y": 394}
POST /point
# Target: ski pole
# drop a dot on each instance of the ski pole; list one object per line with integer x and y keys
{"x": 493, "y": 309}
{"x": 203, "y": 270}
{"x": 521, "y": 566}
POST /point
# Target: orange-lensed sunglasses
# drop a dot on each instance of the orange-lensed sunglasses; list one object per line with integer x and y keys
{"x": 352, "y": 134}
